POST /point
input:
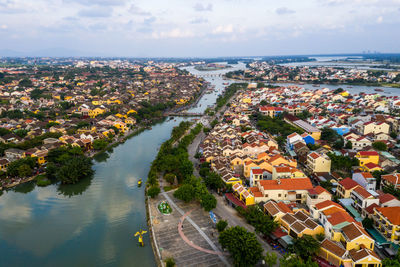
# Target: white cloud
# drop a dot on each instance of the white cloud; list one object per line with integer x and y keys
{"x": 175, "y": 33}
{"x": 379, "y": 19}
{"x": 223, "y": 29}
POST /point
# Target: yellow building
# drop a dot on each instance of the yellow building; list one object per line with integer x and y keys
{"x": 355, "y": 237}
{"x": 345, "y": 187}
{"x": 335, "y": 254}
{"x": 95, "y": 112}
{"x": 387, "y": 221}
{"x": 242, "y": 194}
{"x": 41, "y": 156}
{"x": 300, "y": 224}
{"x": 318, "y": 163}
{"x": 366, "y": 157}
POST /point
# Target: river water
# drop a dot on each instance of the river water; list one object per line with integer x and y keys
{"x": 91, "y": 223}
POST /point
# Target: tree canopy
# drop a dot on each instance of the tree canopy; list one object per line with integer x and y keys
{"x": 242, "y": 245}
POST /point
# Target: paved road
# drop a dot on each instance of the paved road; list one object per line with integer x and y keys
{"x": 213, "y": 246}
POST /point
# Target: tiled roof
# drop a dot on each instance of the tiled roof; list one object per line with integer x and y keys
{"x": 348, "y": 183}
{"x": 287, "y": 184}
{"x": 327, "y": 203}
{"x": 333, "y": 247}
{"x": 391, "y": 213}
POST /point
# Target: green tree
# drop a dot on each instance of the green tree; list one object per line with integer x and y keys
{"x": 270, "y": 259}
{"x": 295, "y": 261}
{"x": 186, "y": 193}
{"x": 24, "y": 170}
{"x": 170, "y": 178}
{"x": 25, "y": 83}
{"x": 221, "y": 225}
{"x": 153, "y": 191}
{"x": 305, "y": 246}
{"x": 208, "y": 202}
{"x": 242, "y": 245}
{"x": 170, "y": 262}
{"x": 74, "y": 169}
{"x": 349, "y": 145}
{"x": 100, "y": 144}
{"x": 381, "y": 146}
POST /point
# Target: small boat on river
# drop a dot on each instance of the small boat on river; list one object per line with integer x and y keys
{"x": 139, "y": 183}
{"x": 378, "y": 90}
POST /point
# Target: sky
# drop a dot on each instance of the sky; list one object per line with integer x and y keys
{"x": 199, "y": 28}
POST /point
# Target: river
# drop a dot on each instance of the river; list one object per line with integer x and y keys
{"x": 91, "y": 223}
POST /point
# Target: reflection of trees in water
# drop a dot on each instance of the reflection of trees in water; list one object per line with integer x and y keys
{"x": 25, "y": 187}
{"x": 71, "y": 190}
{"x": 102, "y": 157}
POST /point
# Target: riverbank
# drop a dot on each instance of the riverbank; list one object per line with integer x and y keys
{"x": 387, "y": 85}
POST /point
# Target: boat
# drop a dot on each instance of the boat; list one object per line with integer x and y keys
{"x": 316, "y": 85}
{"x": 349, "y": 86}
{"x": 225, "y": 83}
{"x": 139, "y": 183}
{"x": 378, "y": 89}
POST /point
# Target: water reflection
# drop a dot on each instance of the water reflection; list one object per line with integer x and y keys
{"x": 71, "y": 190}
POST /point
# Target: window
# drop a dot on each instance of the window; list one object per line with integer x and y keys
{"x": 298, "y": 196}
{"x": 279, "y": 195}
{"x": 266, "y": 195}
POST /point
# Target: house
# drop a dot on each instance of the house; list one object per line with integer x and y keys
{"x": 4, "y": 164}
{"x": 242, "y": 194}
{"x": 375, "y": 128}
{"x": 353, "y": 236}
{"x": 335, "y": 254}
{"x": 367, "y": 157}
{"x": 345, "y": 187}
{"x": 365, "y": 179}
{"x": 362, "y": 198}
{"x": 308, "y": 139}
{"x": 284, "y": 171}
{"x": 276, "y": 209}
{"x": 257, "y": 174}
{"x": 295, "y": 190}
{"x": 13, "y": 154}
{"x": 364, "y": 257}
{"x": 270, "y": 111}
{"x": 318, "y": 162}
{"x": 317, "y": 195}
{"x": 361, "y": 142}
{"x": 387, "y": 221}
{"x": 300, "y": 224}
{"x": 388, "y": 200}
{"x": 293, "y": 138}
{"x": 391, "y": 180}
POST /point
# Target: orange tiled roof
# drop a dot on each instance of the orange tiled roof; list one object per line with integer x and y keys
{"x": 391, "y": 213}
{"x": 287, "y": 184}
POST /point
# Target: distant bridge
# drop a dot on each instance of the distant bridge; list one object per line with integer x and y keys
{"x": 186, "y": 114}
{"x": 209, "y": 75}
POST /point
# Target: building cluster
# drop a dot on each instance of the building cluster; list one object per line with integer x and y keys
{"x": 272, "y": 72}
{"x": 44, "y": 107}
{"x": 285, "y": 179}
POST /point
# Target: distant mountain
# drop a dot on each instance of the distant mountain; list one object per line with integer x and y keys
{"x": 10, "y": 53}
{"x": 49, "y": 52}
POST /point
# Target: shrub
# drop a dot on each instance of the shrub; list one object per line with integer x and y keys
{"x": 170, "y": 262}
{"x": 221, "y": 225}
{"x": 153, "y": 191}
